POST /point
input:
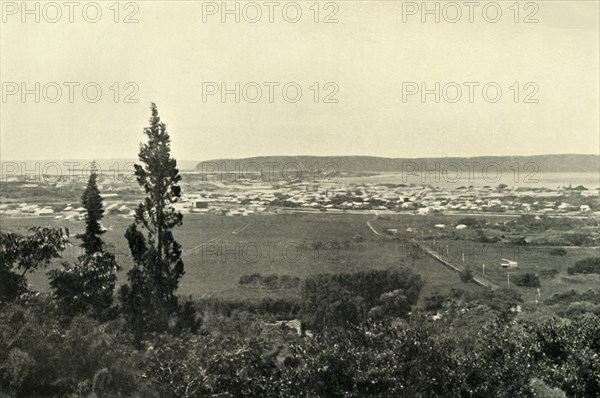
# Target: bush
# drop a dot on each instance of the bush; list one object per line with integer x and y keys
{"x": 528, "y": 280}
{"x": 41, "y": 355}
{"x": 20, "y": 254}
{"x": 277, "y": 308}
{"x": 186, "y": 318}
{"x": 393, "y": 305}
{"x": 345, "y": 298}
{"x": 86, "y": 287}
{"x": 500, "y": 300}
{"x": 576, "y": 239}
{"x": 590, "y": 265}
{"x": 271, "y": 281}
{"x": 469, "y": 222}
{"x": 542, "y": 390}
{"x": 488, "y": 239}
{"x": 593, "y": 296}
{"x": 548, "y": 273}
{"x": 579, "y": 308}
{"x": 558, "y": 252}
{"x": 44, "y": 355}
{"x": 520, "y": 241}
{"x": 434, "y": 301}
{"x": 466, "y": 275}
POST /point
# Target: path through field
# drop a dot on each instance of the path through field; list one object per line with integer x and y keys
{"x": 194, "y": 249}
{"x": 235, "y": 232}
{"x": 477, "y": 279}
{"x": 372, "y": 229}
{"x": 370, "y": 226}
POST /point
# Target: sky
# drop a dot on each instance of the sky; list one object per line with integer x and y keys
{"x": 370, "y": 68}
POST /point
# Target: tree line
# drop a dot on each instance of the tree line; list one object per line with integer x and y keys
{"x": 148, "y": 300}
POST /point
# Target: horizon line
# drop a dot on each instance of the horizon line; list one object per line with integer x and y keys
{"x": 314, "y": 156}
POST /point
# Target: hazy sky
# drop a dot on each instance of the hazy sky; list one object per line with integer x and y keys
{"x": 370, "y": 54}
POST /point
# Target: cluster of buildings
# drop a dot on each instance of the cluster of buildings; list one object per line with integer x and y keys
{"x": 248, "y": 199}
{"x": 244, "y": 200}
{"x": 25, "y": 209}
{"x": 67, "y": 212}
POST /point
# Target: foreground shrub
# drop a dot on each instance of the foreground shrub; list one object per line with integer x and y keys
{"x": 21, "y": 254}
{"x": 379, "y": 361}
{"x": 43, "y": 356}
{"x": 201, "y": 366}
{"x": 86, "y": 287}
{"x": 435, "y": 301}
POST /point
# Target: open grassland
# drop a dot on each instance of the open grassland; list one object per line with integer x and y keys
{"x": 551, "y": 269}
{"x": 538, "y": 260}
{"x": 217, "y": 250}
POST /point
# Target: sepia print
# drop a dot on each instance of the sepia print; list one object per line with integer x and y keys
{"x": 307, "y": 198}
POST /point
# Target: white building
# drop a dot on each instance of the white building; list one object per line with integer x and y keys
{"x": 508, "y": 263}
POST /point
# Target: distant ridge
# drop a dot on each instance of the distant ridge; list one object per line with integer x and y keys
{"x": 563, "y": 163}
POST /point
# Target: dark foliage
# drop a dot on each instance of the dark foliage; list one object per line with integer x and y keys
{"x": 527, "y": 279}
{"x": 271, "y": 281}
{"x": 20, "y": 254}
{"x": 466, "y": 275}
{"x": 92, "y": 202}
{"x": 340, "y": 299}
{"x": 88, "y": 286}
{"x": 149, "y": 299}
{"x": 590, "y": 265}
{"x": 559, "y": 251}
{"x": 43, "y": 356}
{"x": 277, "y": 308}
{"x": 572, "y": 297}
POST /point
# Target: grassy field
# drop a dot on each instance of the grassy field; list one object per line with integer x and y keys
{"x": 532, "y": 259}
{"x": 218, "y": 250}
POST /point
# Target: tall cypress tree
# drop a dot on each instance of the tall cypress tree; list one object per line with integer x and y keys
{"x": 92, "y": 202}
{"x": 88, "y": 285}
{"x": 150, "y": 296}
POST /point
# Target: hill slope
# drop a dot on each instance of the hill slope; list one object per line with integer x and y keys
{"x": 356, "y": 164}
